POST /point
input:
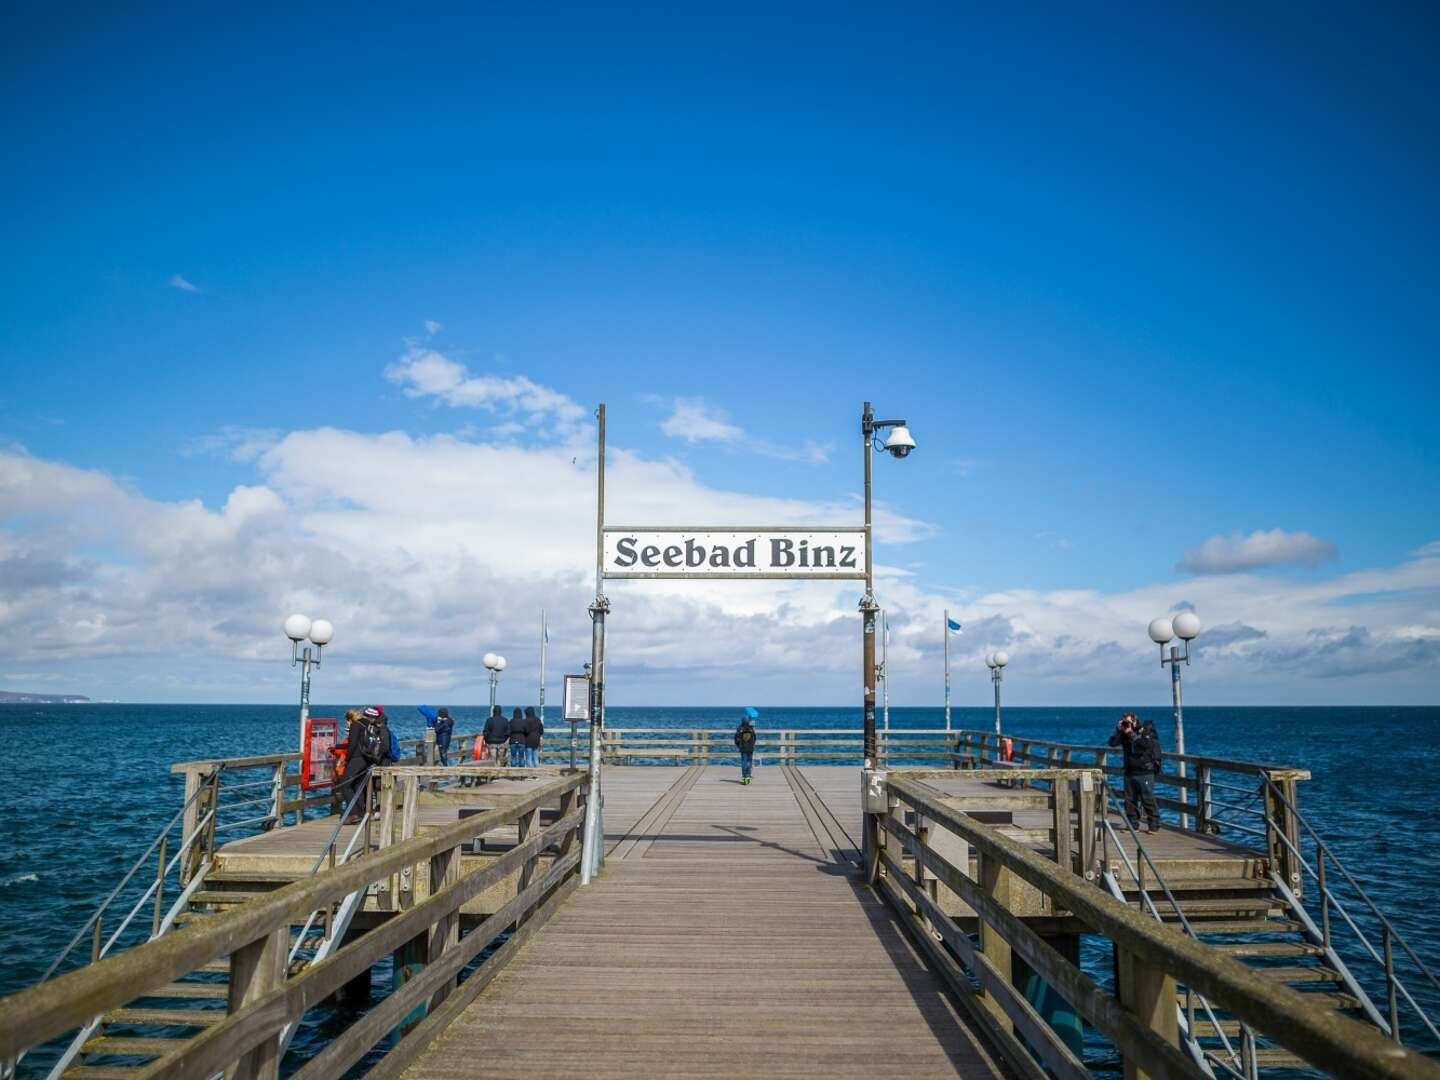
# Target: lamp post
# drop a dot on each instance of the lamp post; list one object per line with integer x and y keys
{"x": 996, "y": 662}
{"x": 885, "y": 675}
{"x": 494, "y": 663}
{"x": 319, "y": 631}
{"x": 899, "y": 442}
{"x": 1185, "y": 626}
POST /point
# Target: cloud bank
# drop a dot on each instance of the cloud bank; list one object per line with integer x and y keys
{"x": 423, "y": 568}
{"x": 1235, "y": 553}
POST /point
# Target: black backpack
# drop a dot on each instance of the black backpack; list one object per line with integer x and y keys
{"x": 746, "y": 739}
{"x": 374, "y": 740}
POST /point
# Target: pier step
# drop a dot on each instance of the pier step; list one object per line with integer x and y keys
{"x": 217, "y": 897}
{"x": 1297, "y": 974}
{"x": 1244, "y": 926}
{"x": 217, "y": 990}
{"x": 102, "y": 1072}
{"x": 166, "y": 1017}
{"x": 1266, "y": 948}
{"x": 130, "y": 1046}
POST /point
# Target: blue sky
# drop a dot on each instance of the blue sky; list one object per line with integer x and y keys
{"x": 1138, "y": 280}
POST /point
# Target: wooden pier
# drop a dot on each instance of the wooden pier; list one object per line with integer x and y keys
{"x": 824, "y": 920}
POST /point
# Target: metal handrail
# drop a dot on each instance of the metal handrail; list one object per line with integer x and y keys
{"x": 125, "y": 880}
{"x": 1190, "y": 993}
{"x": 1393, "y": 981}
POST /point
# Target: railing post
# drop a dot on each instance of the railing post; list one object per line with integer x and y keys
{"x": 1060, "y": 806}
{"x": 1149, "y": 993}
{"x": 996, "y": 880}
{"x": 1086, "y": 824}
{"x": 389, "y": 888}
{"x": 445, "y": 934}
{"x": 1320, "y": 854}
{"x": 277, "y": 807}
{"x": 188, "y": 824}
{"x": 1282, "y": 829}
{"x": 526, "y": 824}
{"x": 1202, "y": 798}
{"x": 160, "y": 885}
{"x": 255, "y": 970}
{"x": 408, "y": 810}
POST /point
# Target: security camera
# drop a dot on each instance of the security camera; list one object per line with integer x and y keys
{"x": 899, "y": 442}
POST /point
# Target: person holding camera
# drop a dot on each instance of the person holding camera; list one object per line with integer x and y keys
{"x": 1141, "y": 746}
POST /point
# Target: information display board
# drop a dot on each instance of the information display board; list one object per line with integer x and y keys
{"x": 317, "y": 762}
{"x": 577, "y": 698}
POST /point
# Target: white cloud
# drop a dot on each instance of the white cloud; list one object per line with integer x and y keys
{"x": 432, "y": 327}
{"x": 233, "y": 441}
{"x": 1275, "y": 547}
{"x": 694, "y": 421}
{"x": 179, "y": 282}
{"x": 1428, "y": 551}
{"x": 422, "y": 372}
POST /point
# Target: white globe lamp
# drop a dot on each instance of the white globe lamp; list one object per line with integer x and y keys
{"x": 1001, "y": 658}
{"x": 499, "y": 663}
{"x": 1186, "y": 625}
{"x": 297, "y": 626}
{"x": 489, "y": 660}
{"x": 321, "y": 631}
{"x": 1161, "y": 631}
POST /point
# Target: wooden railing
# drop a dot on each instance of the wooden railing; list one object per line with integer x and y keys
{"x": 256, "y": 937}
{"x": 908, "y": 864}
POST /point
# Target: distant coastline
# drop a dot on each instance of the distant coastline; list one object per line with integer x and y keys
{"x": 9, "y": 697}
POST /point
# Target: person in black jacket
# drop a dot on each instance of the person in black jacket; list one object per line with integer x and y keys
{"x": 497, "y": 735}
{"x": 1141, "y": 746}
{"x": 534, "y": 732}
{"x": 367, "y": 745}
{"x": 519, "y": 731}
{"x": 745, "y": 742}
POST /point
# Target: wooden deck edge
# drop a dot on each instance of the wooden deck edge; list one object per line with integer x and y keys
{"x": 641, "y": 835}
{"x": 394, "y": 1063}
{"x": 829, "y": 833}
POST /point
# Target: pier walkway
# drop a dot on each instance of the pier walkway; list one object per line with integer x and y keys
{"x": 729, "y": 935}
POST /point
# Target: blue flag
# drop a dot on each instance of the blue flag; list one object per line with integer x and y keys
{"x": 953, "y": 626}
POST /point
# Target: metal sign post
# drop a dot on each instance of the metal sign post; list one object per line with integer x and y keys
{"x": 593, "y": 849}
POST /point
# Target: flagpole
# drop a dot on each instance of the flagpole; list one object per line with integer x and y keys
{"x": 945, "y": 633}
{"x": 544, "y": 640}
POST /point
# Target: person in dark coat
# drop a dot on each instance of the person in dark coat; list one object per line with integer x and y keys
{"x": 745, "y": 738}
{"x": 497, "y": 735}
{"x": 1140, "y": 745}
{"x": 367, "y": 744}
{"x": 444, "y": 729}
{"x": 534, "y": 733}
{"x": 519, "y": 732}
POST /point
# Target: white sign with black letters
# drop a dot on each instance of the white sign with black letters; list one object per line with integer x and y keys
{"x": 673, "y": 552}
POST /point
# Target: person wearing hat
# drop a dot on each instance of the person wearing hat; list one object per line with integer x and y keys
{"x": 1140, "y": 744}
{"x": 367, "y": 745}
{"x": 745, "y": 742}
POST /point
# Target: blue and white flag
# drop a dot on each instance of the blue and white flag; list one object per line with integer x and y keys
{"x": 953, "y": 626}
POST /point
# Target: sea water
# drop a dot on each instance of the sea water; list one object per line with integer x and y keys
{"x": 88, "y": 786}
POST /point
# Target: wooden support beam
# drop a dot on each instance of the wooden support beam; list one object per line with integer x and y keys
{"x": 996, "y": 881}
{"x": 255, "y": 970}
{"x": 1149, "y": 993}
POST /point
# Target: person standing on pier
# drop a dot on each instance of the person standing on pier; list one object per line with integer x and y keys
{"x": 367, "y": 745}
{"x": 444, "y": 729}
{"x": 1141, "y": 746}
{"x": 534, "y": 733}
{"x": 745, "y": 742}
{"x": 497, "y": 735}
{"x": 519, "y": 731}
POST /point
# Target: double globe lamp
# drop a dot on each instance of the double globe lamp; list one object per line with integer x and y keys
{"x": 319, "y": 631}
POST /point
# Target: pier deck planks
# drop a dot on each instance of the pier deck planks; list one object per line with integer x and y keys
{"x": 729, "y": 943}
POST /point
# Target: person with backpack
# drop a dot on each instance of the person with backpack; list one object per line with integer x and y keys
{"x": 745, "y": 742}
{"x": 519, "y": 733}
{"x": 444, "y": 729}
{"x": 1140, "y": 745}
{"x": 367, "y": 744}
{"x": 496, "y": 735}
{"x": 534, "y": 733}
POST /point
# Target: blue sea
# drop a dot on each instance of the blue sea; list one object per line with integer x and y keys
{"x": 88, "y": 786}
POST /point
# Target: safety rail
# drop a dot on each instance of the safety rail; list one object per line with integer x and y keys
{"x": 264, "y": 999}
{"x": 1297, "y": 839}
{"x": 1140, "y": 1018}
{"x": 780, "y": 746}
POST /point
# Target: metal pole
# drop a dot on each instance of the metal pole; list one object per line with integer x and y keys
{"x": 1179, "y": 721}
{"x": 544, "y": 641}
{"x": 868, "y": 607}
{"x": 494, "y": 682}
{"x": 995, "y": 678}
{"x": 885, "y": 673}
{"x": 304, "y": 694}
{"x": 945, "y": 634}
{"x": 594, "y": 839}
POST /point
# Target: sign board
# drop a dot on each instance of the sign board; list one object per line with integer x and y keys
{"x": 317, "y": 764}
{"x": 577, "y": 698}
{"x": 836, "y": 553}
